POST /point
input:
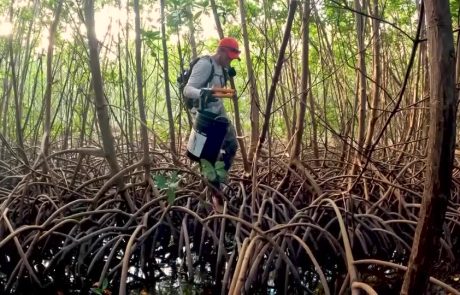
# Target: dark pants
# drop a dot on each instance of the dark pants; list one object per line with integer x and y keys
{"x": 230, "y": 146}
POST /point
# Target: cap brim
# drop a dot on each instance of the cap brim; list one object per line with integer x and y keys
{"x": 233, "y": 55}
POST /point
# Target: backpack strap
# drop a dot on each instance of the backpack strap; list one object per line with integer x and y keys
{"x": 226, "y": 77}
{"x": 211, "y": 75}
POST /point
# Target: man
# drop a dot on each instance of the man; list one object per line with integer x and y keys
{"x": 218, "y": 64}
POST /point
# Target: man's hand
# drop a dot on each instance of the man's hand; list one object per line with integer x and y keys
{"x": 223, "y": 92}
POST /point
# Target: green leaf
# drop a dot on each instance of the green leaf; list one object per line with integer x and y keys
{"x": 160, "y": 181}
{"x": 171, "y": 193}
{"x": 219, "y": 165}
{"x": 105, "y": 284}
{"x": 220, "y": 170}
{"x": 197, "y": 15}
{"x": 151, "y": 35}
{"x": 208, "y": 170}
{"x": 96, "y": 291}
{"x": 222, "y": 174}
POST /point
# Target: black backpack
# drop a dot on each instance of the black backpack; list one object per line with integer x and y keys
{"x": 183, "y": 78}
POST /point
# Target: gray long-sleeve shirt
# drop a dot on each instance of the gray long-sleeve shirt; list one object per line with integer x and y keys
{"x": 200, "y": 73}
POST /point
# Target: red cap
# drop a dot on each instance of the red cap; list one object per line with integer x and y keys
{"x": 231, "y": 45}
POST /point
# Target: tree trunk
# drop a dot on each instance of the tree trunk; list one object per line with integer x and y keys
{"x": 100, "y": 102}
{"x": 172, "y": 136}
{"x": 441, "y": 145}
{"x": 457, "y": 65}
{"x": 220, "y": 31}
{"x": 304, "y": 90}
{"x": 71, "y": 104}
{"x": 4, "y": 109}
{"x": 128, "y": 100}
{"x": 123, "y": 81}
{"x": 49, "y": 84}
{"x": 314, "y": 129}
{"x": 28, "y": 51}
{"x": 361, "y": 95}
{"x": 276, "y": 75}
{"x": 191, "y": 28}
{"x": 99, "y": 99}
{"x": 17, "y": 104}
{"x": 424, "y": 113}
{"x": 252, "y": 84}
{"x": 140, "y": 91}
{"x": 376, "y": 74}
{"x": 84, "y": 119}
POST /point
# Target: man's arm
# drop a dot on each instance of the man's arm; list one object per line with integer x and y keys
{"x": 200, "y": 74}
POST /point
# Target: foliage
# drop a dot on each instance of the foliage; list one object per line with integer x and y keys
{"x": 168, "y": 182}
{"x": 213, "y": 173}
{"x": 102, "y": 289}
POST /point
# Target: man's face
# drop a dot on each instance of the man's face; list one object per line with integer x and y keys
{"x": 225, "y": 58}
{"x": 228, "y": 54}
